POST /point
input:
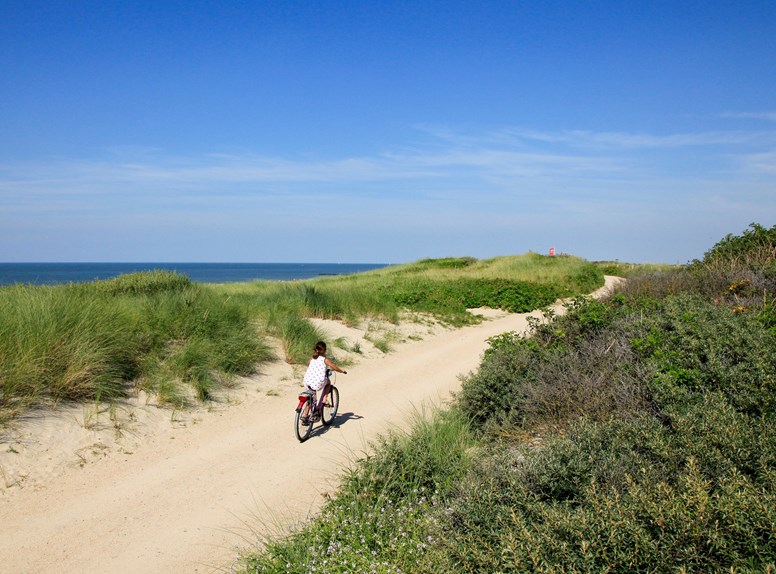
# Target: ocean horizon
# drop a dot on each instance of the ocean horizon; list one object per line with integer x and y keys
{"x": 61, "y": 273}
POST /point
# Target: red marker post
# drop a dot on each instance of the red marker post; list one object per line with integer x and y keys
{"x": 552, "y": 252}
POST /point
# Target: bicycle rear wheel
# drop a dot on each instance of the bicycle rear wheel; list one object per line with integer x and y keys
{"x": 330, "y": 406}
{"x": 303, "y": 421}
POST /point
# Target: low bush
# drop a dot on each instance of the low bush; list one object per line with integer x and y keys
{"x": 755, "y": 248}
{"x": 572, "y": 367}
{"x": 665, "y": 398}
{"x": 462, "y": 294}
{"x": 633, "y": 496}
{"x": 698, "y": 347}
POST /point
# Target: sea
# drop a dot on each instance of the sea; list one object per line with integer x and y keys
{"x": 58, "y": 273}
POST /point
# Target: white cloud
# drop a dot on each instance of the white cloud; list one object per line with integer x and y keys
{"x": 453, "y": 182}
{"x": 761, "y": 162}
{"x": 767, "y": 116}
{"x": 218, "y": 174}
{"x": 585, "y": 139}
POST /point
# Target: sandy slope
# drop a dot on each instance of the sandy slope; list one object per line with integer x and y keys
{"x": 141, "y": 490}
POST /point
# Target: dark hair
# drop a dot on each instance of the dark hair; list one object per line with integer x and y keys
{"x": 320, "y": 346}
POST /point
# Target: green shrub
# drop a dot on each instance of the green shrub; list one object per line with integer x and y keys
{"x": 495, "y": 394}
{"x": 572, "y": 367}
{"x": 701, "y": 347}
{"x": 755, "y": 248}
{"x": 612, "y": 497}
{"x": 462, "y": 294}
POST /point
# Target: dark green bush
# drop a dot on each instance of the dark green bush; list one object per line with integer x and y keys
{"x": 666, "y": 396}
{"x": 443, "y": 263}
{"x": 612, "y": 497}
{"x": 496, "y": 393}
{"x": 755, "y": 248}
{"x": 700, "y": 347}
{"x": 462, "y": 294}
{"x": 571, "y": 367}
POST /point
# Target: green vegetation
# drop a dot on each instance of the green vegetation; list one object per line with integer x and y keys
{"x": 444, "y": 288}
{"x": 383, "y": 518}
{"x": 98, "y": 341}
{"x": 509, "y": 283}
{"x": 159, "y": 332}
{"x": 754, "y": 248}
{"x": 622, "y": 269}
{"x": 634, "y": 434}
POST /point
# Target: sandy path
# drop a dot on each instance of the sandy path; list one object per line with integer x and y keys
{"x": 185, "y": 499}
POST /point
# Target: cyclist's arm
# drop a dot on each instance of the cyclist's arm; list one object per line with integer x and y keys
{"x": 334, "y": 367}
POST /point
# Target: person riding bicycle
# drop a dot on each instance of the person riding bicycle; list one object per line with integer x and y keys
{"x": 317, "y": 375}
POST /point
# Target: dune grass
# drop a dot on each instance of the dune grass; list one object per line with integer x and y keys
{"x": 101, "y": 341}
{"x": 57, "y": 345}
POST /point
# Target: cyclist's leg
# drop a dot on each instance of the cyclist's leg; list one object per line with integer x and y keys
{"x": 324, "y": 392}
{"x": 309, "y": 405}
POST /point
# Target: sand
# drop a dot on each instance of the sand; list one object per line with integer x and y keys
{"x": 138, "y": 488}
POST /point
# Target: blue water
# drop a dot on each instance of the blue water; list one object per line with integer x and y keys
{"x": 55, "y": 273}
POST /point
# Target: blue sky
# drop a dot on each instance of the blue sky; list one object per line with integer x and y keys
{"x": 358, "y": 131}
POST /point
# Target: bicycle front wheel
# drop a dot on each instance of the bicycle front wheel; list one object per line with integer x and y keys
{"x": 330, "y": 406}
{"x": 303, "y": 421}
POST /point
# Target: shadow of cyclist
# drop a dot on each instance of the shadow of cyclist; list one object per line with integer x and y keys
{"x": 338, "y": 421}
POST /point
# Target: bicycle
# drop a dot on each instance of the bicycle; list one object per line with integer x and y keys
{"x": 308, "y": 412}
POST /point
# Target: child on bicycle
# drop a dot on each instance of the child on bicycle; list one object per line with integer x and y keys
{"x": 317, "y": 375}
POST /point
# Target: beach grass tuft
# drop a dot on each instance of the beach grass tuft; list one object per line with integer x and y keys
{"x": 98, "y": 341}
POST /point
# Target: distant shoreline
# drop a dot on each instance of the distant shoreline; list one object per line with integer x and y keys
{"x": 62, "y": 273}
